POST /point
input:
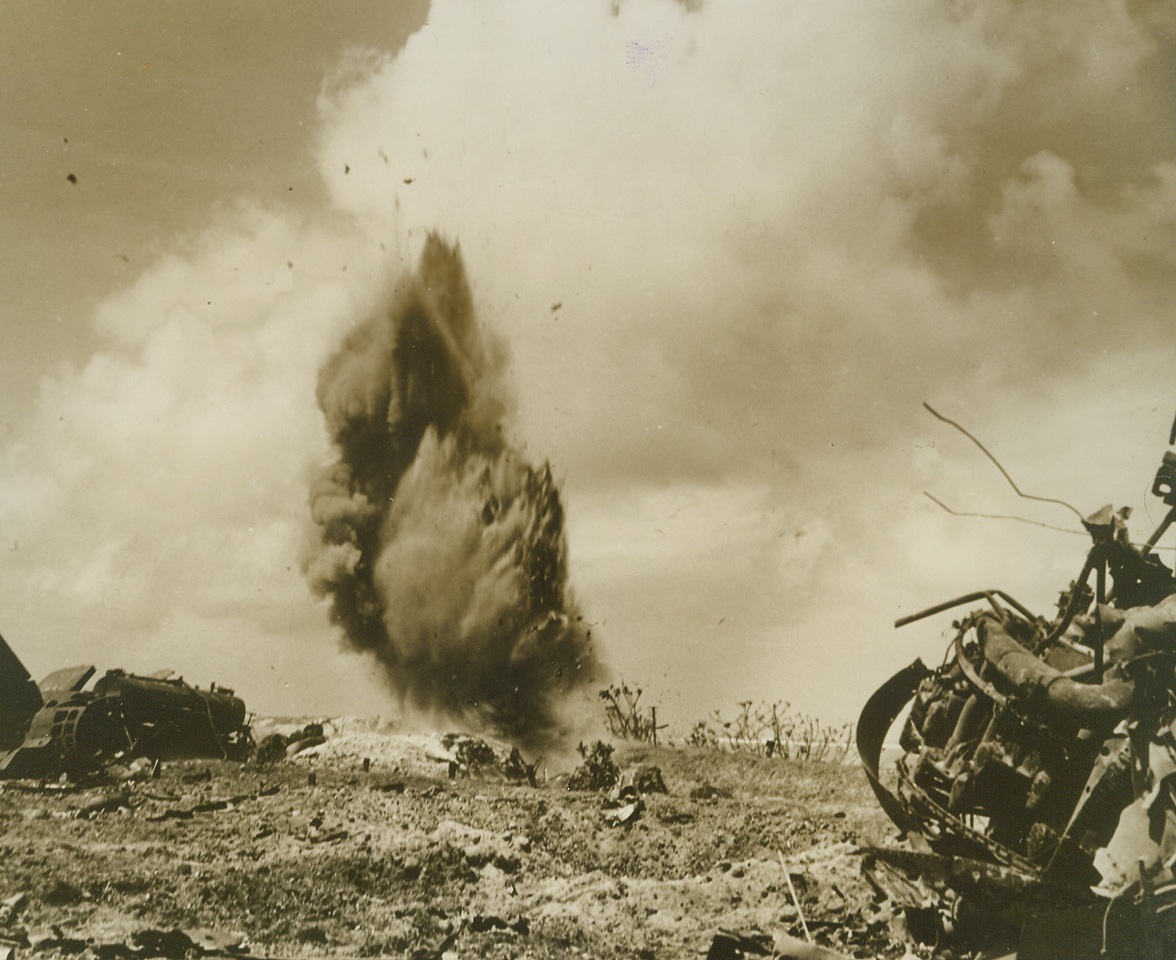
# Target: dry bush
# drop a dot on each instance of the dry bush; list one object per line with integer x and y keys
{"x": 598, "y": 771}
{"x": 774, "y": 730}
{"x": 626, "y": 718}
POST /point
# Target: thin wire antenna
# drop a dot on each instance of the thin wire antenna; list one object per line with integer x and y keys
{"x": 1005, "y": 516}
{"x": 983, "y": 449}
{"x": 1001, "y": 516}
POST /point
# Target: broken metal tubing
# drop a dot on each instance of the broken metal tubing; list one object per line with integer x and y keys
{"x": 989, "y": 595}
{"x": 1049, "y": 691}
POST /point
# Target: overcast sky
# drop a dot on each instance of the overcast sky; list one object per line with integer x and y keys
{"x": 731, "y": 248}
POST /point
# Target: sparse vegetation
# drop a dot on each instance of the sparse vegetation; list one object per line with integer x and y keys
{"x": 767, "y": 729}
{"x": 626, "y": 718}
{"x": 774, "y": 730}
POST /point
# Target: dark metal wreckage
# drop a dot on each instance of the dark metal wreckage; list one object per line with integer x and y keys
{"x": 1036, "y": 781}
{"x": 59, "y": 727}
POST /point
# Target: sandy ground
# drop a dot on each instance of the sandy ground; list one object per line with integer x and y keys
{"x": 402, "y": 860}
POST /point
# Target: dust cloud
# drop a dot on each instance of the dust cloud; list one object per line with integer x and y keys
{"x": 441, "y": 548}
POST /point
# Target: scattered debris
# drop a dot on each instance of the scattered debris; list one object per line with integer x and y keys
{"x": 624, "y": 815}
{"x": 178, "y": 944}
{"x": 11, "y": 908}
{"x": 311, "y": 735}
{"x": 729, "y": 945}
{"x": 795, "y": 899}
{"x": 647, "y": 779}
{"x": 203, "y": 806}
{"x": 466, "y": 756}
{"x": 172, "y": 944}
{"x": 202, "y": 775}
{"x": 708, "y": 791}
{"x": 55, "y": 940}
{"x": 479, "y": 923}
{"x": 271, "y": 749}
{"x": 62, "y": 892}
{"x": 105, "y": 804}
{"x": 146, "y": 944}
{"x": 139, "y": 769}
{"x": 312, "y": 934}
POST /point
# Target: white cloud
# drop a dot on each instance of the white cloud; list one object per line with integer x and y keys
{"x": 771, "y": 233}
{"x": 166, "y": 480}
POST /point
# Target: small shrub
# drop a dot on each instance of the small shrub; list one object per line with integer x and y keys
{"x": 473, "y": 753}
{"x": 703, "y": 736}
{"x": 597, "y": 772}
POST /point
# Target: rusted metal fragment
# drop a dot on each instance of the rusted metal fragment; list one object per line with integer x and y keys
{"x": 789, "y": 948}
{"x": 976, "y": 876}
{"x": 877, "y": 717}
{"x": 1130, "y": 851}
{"x": 19, "y": 698}
{"x": 68, "y": 679}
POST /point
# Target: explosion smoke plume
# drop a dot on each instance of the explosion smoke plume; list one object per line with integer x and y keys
{"x": 442, "y": 549}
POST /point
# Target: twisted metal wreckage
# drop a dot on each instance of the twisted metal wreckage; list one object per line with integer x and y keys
{"x": 59, "y": 727}
{"x": 1037, "y": 776}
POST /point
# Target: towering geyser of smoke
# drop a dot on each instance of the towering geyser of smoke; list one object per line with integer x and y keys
{"x": 442, "y": 550}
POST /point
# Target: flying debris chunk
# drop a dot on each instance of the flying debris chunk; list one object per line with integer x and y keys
{"x": 1037, "y": 774}
{"x": 59, "y": 727}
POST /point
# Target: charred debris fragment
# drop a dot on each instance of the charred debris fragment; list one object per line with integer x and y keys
{"x": 1036, "y": 783}
{"x": 58, "y": 727}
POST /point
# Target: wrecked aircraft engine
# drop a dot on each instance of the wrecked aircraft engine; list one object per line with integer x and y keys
{"x": 58, "y": 727}
{"x": 1037, "y": 776}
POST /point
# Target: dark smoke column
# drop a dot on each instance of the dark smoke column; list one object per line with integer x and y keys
{"x": 441, "y": 548}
